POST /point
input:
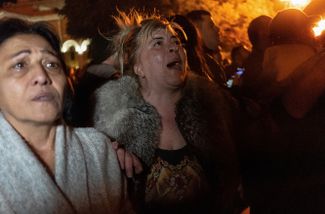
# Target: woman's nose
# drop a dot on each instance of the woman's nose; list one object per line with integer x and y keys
{"x": 173, "y": 47}
{"x": 41, "y": 75}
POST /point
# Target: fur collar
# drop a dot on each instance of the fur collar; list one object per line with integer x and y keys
{"x": 202, "y": 113}
{"x": 122, "y": 114}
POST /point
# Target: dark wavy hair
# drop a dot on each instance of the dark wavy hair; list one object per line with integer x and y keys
{"x": 10, "y": 27}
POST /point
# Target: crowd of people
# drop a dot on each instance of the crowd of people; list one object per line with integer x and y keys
{"x": 158, "y": 123}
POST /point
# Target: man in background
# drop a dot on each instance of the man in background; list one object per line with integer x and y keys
{"x": 210, "y": 37}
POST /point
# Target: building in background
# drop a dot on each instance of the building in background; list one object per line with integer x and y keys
{"x": 48, "y": 10}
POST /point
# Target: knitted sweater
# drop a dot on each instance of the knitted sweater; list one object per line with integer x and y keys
{"x": 87, "y": 177}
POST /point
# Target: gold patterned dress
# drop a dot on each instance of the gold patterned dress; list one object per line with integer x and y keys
{"x": 176, "y": 181}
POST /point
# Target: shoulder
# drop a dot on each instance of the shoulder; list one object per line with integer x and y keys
{"x": 116, "y": 94}
{"x": 123, "y": 85}
{"x": 207, "y": 99}
{"x": 97, "y": 148}
{"x": 102, "y": 70}
{"x": 90, "y": 135}
{"x": 195, "y": 81}
{"x": 93, "y": 141}
{"x": 202, "y": 89}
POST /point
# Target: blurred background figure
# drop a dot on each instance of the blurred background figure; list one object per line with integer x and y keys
{"x": 292, "y": 43}
{"x": 101, "y": 69}
{"x": 258, "y": 34}
{"x": 283, "y": 156}
{"x": 193, "y": 46}
{"x": 291, "y": 155}
{"x": 235, "y": 69}
{"x": 209, "y": 33}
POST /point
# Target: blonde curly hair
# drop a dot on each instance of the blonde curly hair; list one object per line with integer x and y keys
{"x": 134, "y": 29}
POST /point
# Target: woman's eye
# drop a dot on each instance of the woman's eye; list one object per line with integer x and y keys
{"x": 53, "y": 65}
{"x": 19, "y": 66}
{"x": 157, "y": 44}
{"x": 177, "y": 42}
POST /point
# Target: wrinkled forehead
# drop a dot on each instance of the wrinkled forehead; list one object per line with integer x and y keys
{"x": 148, "y": 33}
{"x": 27, "y": 41}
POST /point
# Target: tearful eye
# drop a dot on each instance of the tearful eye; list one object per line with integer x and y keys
{"x": 53, "y": 65}
{"x": 19, "y": 66}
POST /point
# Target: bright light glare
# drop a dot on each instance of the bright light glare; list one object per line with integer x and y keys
{"x": 319, "y": 28}
{"x": 80, "y": 49}
{"x": 296, "y": 3}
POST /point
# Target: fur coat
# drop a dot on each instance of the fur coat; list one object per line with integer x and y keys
{"x": 204, "y": 116}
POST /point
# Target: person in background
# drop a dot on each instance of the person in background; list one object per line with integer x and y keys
{"x": 287, "y": 159}
{"x": 238, "y": 55}
{"x": 258, "y": 34}
{"x": 192, "y": 43}
{"x": 292, "y": 43}
{"x": 209, "y": 33}
{"x": 179, "y": 124}
{"x": 48, "y": 166}
{"x": 235, "y": 69}
{"x": 100, "y": 70}
{"x": 283, "y": 155}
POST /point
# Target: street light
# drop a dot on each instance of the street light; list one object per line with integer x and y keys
{"x": 296, "y": 3}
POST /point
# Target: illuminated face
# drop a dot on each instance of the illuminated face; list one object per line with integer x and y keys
{"x": 32, "y": 81}
{"x": 161, "y": 61}
{"x": 209, "y": 32}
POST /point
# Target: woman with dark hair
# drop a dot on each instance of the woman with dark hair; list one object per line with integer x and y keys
{"x": 47, "y": 167}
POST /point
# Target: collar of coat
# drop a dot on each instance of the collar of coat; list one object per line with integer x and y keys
{"x": 203, "y": 116}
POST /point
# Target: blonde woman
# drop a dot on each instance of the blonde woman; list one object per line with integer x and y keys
{"x": 177, "y": 123}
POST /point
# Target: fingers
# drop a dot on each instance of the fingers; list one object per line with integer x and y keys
{"x": 121, "y": 157}
{"x": 128, "y": 162}
{"x": 137, "y": 164}
{"x": 132, "y": 164}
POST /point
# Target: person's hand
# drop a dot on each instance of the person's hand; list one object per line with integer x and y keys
{"x": 128, "y": 161}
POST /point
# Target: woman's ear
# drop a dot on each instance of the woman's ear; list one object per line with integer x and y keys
{"x": 138, "y": 70}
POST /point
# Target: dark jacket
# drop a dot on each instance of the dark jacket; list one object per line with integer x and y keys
{"x": 80, "y": 114}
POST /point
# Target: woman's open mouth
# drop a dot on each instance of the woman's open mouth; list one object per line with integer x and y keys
{"x": 175, "y": 65}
